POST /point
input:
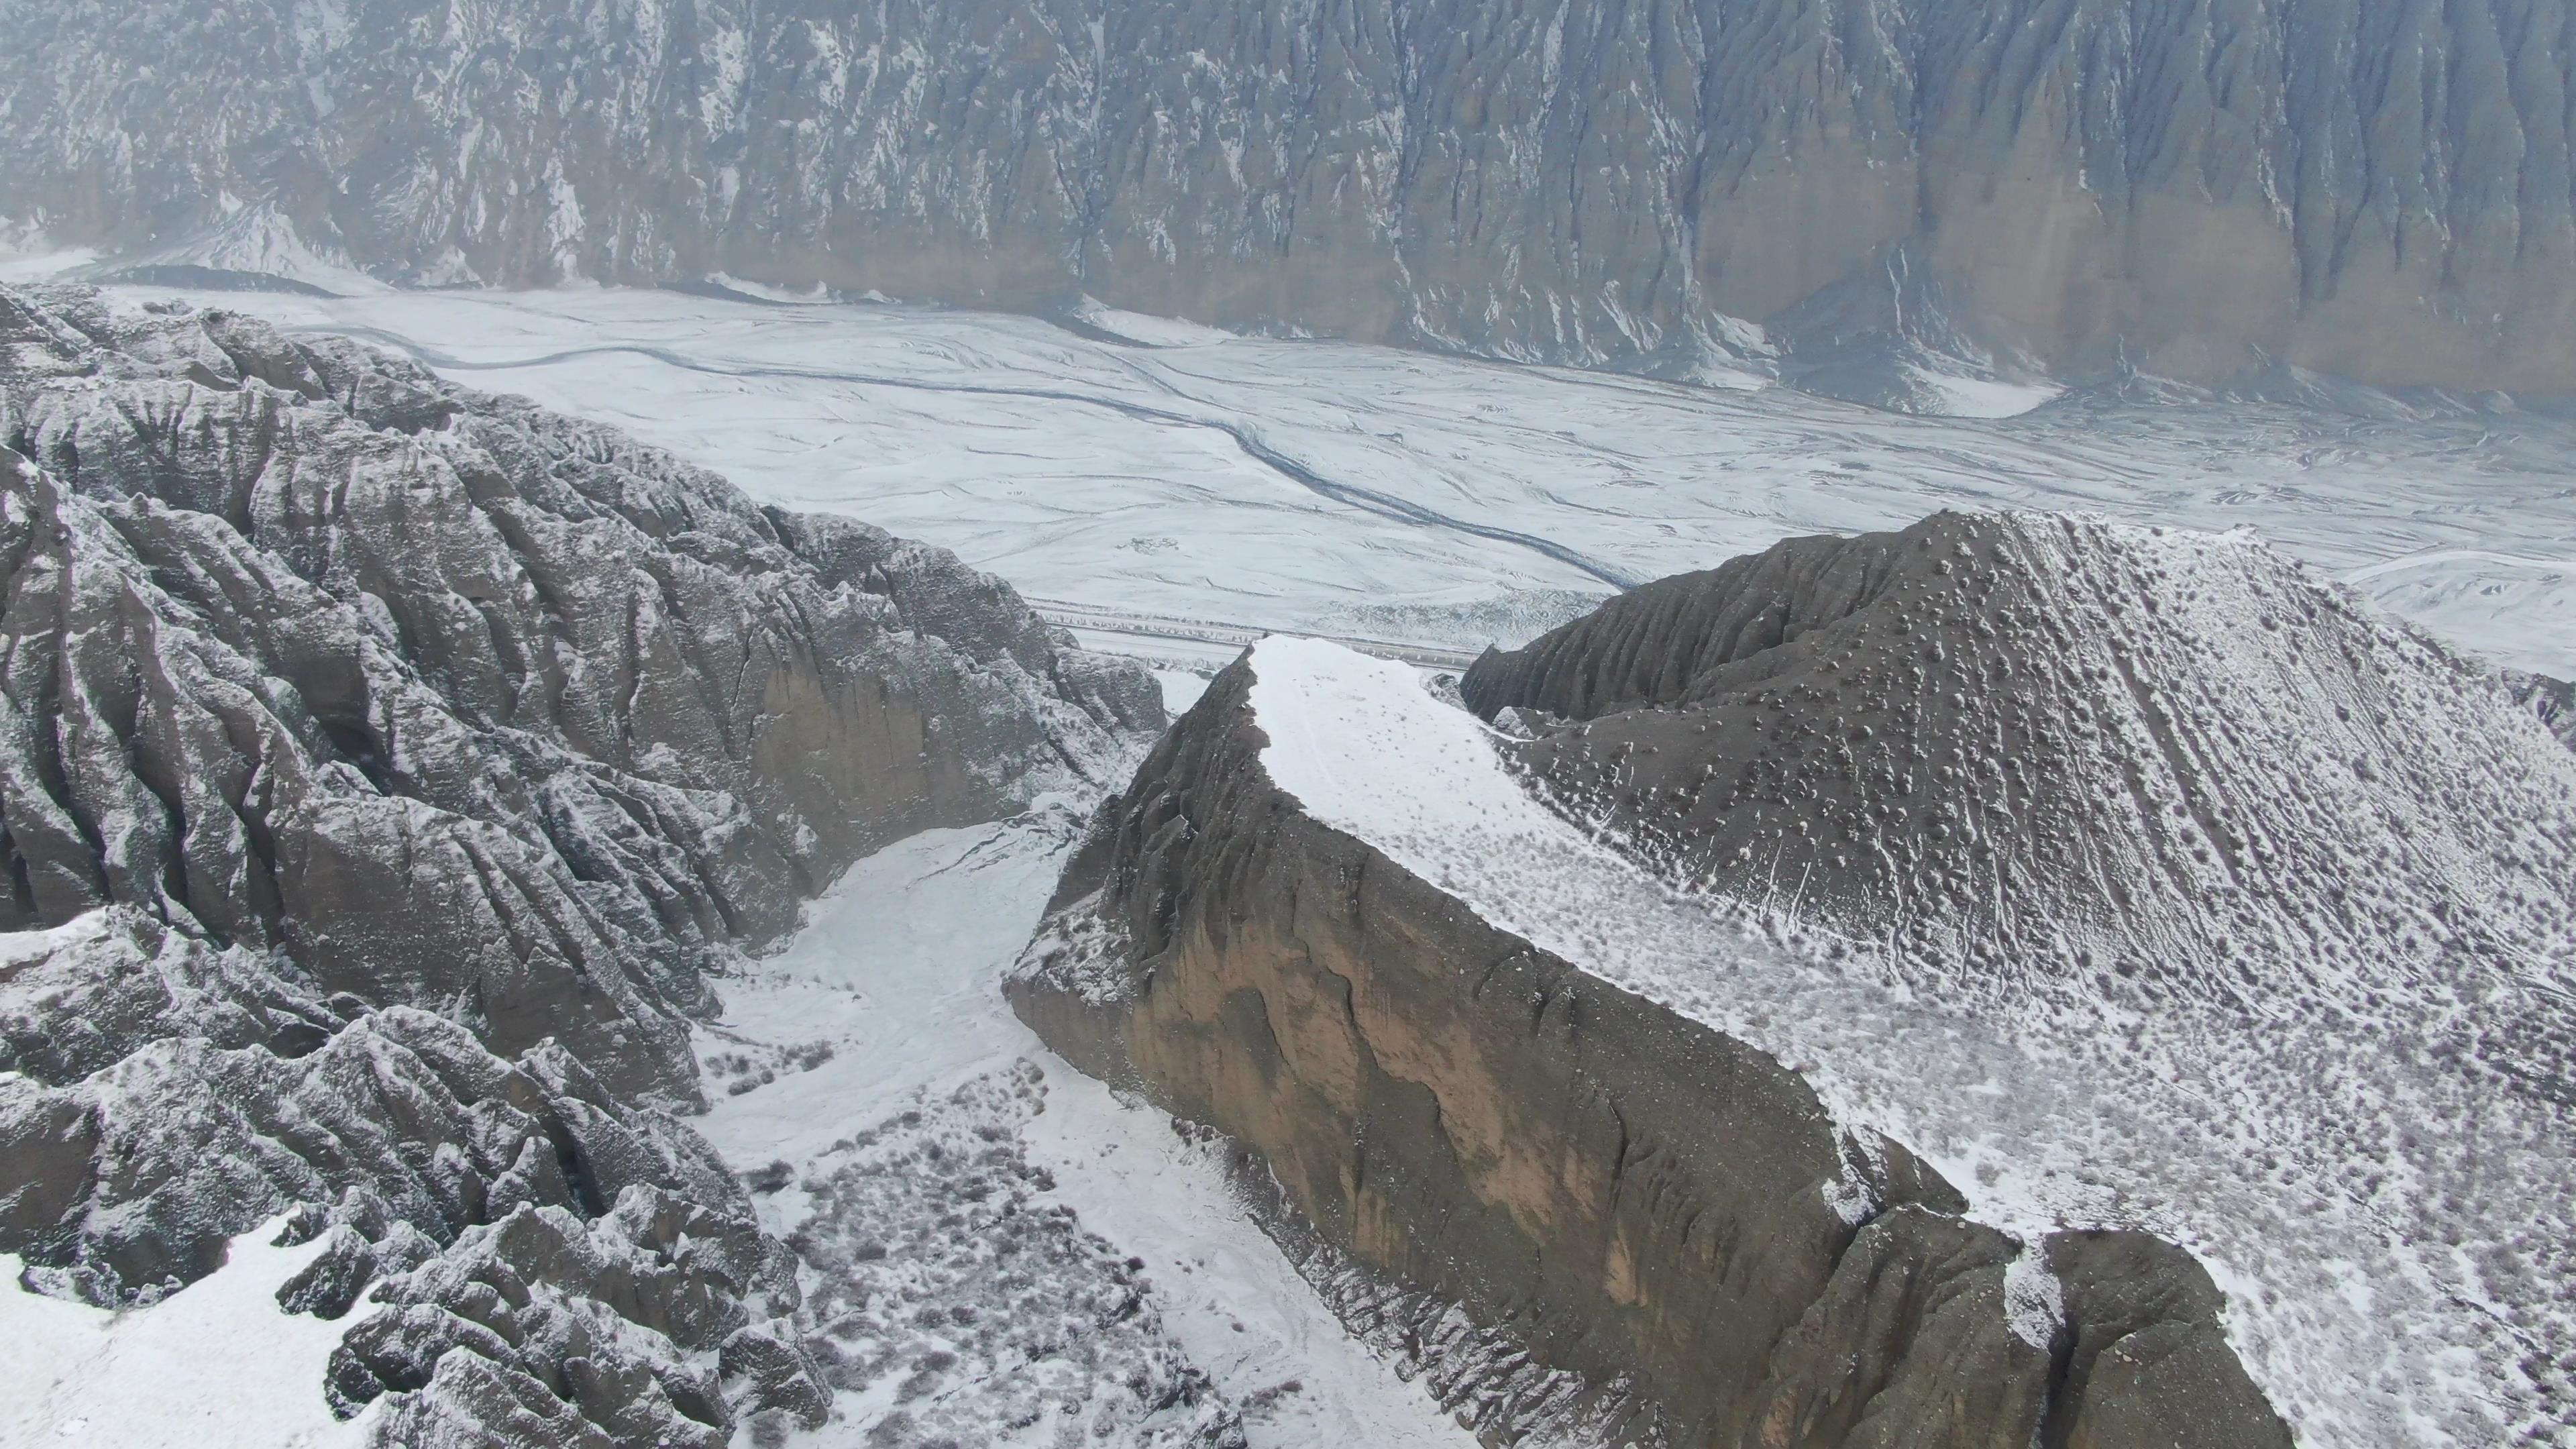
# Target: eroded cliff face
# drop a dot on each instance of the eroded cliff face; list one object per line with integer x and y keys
{"x": 2382, "y": 190}
{"x": 457, "y": 702}
{"x": 385, "y": 771}
{"x": 1616, "y": 1194}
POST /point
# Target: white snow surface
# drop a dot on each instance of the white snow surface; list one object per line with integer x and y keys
{"x": 1144, "y": 329}
{"x": 2353, "y": 1309}
{"x": 1298, "y": 485}
{"x": 218, "y": 1366}
{"x": 1982, "y": 397}
{"x": 43, "y": 265}
{"x": 255, "y": 240}
{"x": 899, "y": 969}
{"x": 1181, "y": 689}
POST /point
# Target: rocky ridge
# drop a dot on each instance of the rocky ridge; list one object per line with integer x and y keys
{"x": 2225, "y": 879}
{"x": 385, "y": 771}
{"x": 1579, "y": 1215}
{"x": 2154, "y": 795}
{"x": 1891, "y": 191}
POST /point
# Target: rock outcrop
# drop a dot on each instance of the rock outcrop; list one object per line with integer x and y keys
{"x": 2379, "y": 190}
{"x": 1618, "y": 1194}
{"x": 456, "y": 702}
{"x": 385, "y": 771}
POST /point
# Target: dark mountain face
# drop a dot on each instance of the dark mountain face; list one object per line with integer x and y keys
{"x": 2035, "y": 754}
{"x": 385, "y": 771}
{"x": 2376, "y": 188}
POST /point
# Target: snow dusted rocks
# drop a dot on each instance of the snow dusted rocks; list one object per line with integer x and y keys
{"x": 579, "y": 1248}
{"x": 2095, "y": 764}
{"x": 384, "y": 770}
{"x": 1583, "y": 1212}
{"x": 458, "y": 703}
{"x": 954, "y": 1304}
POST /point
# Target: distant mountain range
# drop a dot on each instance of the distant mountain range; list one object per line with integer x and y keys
{"x": 1873, "y": 197}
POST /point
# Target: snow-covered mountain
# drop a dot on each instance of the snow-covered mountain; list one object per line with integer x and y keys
{"x": 2042, "y": 757}
{"x": 1923, "y": 204}
{"x": 1827, "y": 1006}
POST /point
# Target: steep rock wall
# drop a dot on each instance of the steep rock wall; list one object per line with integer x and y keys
{"x": 2374, "y": 188}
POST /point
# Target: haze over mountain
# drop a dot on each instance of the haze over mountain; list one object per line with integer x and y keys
{"x": 2376, "y": 188}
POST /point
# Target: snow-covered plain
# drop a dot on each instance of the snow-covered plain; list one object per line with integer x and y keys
{"x": 2360, "y": 1307}
{"x": 1125, "y": 463}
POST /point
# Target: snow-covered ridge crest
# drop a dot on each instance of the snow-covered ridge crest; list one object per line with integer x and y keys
{"x": 2285, "y": 1149}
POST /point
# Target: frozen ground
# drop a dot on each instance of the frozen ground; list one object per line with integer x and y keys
{"x": 1128, "y": 464}
{"x": 2286, "y": 1152}
{"x": 889, "y": 1005}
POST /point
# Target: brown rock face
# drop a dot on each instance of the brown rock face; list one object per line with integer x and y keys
{"x": 1623, "y": 1192}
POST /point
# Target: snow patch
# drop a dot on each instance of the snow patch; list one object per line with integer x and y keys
{"x": 2034, "y": 1300}
{"x": 215, "y": 1366}
{"x": 17, "y": 948}
{"x": 815, "y": 295}
{"x": 44, "y": 265}
{"x": 257, "y": 240}
{"x": 1960, "y": 396}
{"x": 1181, "y": 689}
